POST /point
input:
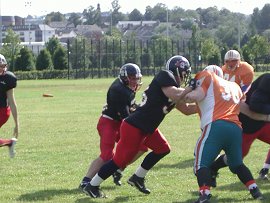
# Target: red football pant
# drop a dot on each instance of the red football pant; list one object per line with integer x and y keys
{"x": 263, "y": 134}
{"x": 4, "y": 115}
{"x": 109, "y": 132}
{"x": 130, "y": 141}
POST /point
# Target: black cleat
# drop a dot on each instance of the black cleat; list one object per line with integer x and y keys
{"x": 203, "y": 198}
{"x": 256, "y": 193}
{"x": 116, "y": 178}
{"x": 82, "y": 185}
{"x": 263, "y": 174}
{"x": 138, "y": 183}
{"x": 93, "y": 191}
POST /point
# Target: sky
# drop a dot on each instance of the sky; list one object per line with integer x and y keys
{"x": 42, "y": 7}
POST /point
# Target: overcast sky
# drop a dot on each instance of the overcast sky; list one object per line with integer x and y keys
{"x": 42, "y": 7}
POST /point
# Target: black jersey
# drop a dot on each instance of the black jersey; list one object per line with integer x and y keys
{"x": 7, "y": 82}
{"x": 258, "y": 100}
{"x": 119, "y": 100}
{"x": 155, "y": 105}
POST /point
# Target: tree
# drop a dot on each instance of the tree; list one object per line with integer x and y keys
{"x": 148, "y": 15}
{"x": 89, "y": 15}
{"x": 44, "y": 60}
{"x": 210, "y": 52}
{"x": 60, "y": 59}
{"x": 25, "y": 61}
{"x": 257, "y": 48}
{"x": 75, "y": 19}
{"x": 160, "y": 12}
{"x": 135, "y": 15}
{"x": 54, "y": 17}
{"x": 52, "y": 45}
{"x": 116, "y": 14}
{"x": 11, "y": 48}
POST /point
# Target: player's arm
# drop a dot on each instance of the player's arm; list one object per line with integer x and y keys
{"x": 176, "y": 94}
{"x": 247, "y": 79}
{"x": 187, "y": 109}
{"x": 259, "y": 102}
{"x": 244, "y": 108}
{"x": 195, "y": 96}
{"x": 14, "y": 111}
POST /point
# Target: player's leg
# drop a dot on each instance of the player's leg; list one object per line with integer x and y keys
{"x": 160, "y": 148}
{"x": 118, "y": 174}
{"x": 108, "y": 130}
{"x": 221, "y": 161}
{"x": 264, "y": 136}
{"x": 126, "y": 150}
{"x": 10, "y": 143}
{"x": 235, "y": 161}
{"x": 207, "y": 148}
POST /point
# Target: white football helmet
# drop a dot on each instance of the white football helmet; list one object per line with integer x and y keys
{"x": 232, "y": 55}
{"x": 214, "y": 69}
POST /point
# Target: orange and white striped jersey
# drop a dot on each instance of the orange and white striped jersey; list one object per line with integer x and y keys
{"x": 242, "y": 75}
{"x": 221, "y": 101}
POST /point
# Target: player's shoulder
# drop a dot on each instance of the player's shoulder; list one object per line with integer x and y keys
{"x": 246, "y": 67}
{"x": 120, "y": 88}
{"x": 203, "y": 74}
{"x": 11, "y": 75}
{"x": 165, "y": 78}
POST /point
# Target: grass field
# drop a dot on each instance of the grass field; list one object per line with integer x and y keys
{"x": 59, "y": 139}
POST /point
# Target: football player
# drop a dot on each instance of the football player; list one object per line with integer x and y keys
{"x": 8, "y": 82}
{"x": 218, "y": 101}
{"x": 120, "y": 104}
{"x": 238, "y": 71}
{"x": 142, "y": 127}
{"x": 255, "y": 123}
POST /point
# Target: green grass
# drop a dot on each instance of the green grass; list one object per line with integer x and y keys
{"x": 59, "y": 139}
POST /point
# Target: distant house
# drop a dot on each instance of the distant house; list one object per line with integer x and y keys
{"x": 122, "y": 25}
{"x": 89, "y": 31}
{"x": 143, "y": 30}
{"x": 30, "y": 33}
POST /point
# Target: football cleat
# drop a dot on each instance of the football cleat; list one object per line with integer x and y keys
{"x": 93, "y": 191}
{"x": 204, "y": 198}
{"x": 256, "y": 193}
{"x": 263, "y": 174}
{"x": 138, "y": 182}
{"x": 116, "y": 178}
{"x": 83, "y": 185}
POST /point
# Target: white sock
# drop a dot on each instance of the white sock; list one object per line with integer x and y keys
{"x": 119, "y": 171}
{"x": 141, "y": 172}
{"x": 96, "y": 180}
{"x": 252, "y": 186}
{"x": 265, "y": 165}
{"x": 207, "y": 192}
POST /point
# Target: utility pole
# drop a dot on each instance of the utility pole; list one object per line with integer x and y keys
{"x": 28, "y": 4}
{"x": 0, "y": 25}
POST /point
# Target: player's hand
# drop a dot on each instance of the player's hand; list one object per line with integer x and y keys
{"x": 16, "y": 132}
{"x": 192, "y": 83}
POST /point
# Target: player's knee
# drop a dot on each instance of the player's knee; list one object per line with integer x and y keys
{"x": 165, "y": 149}
{"x": 236, "y": 169}
{"x": 106, "y": 155}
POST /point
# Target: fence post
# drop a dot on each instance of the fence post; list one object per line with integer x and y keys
{"x": 68, "y": 52}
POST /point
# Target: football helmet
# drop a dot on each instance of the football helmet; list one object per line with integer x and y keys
{"x": 232, "y": 59}
{"x": 3, "y": 59}
{"x": 3, "y": 64}
{"x": 232, "y": 55}
{"x": 215, "y": 69}
{"x": 180, "y": 68}
{"x": 130, "y": 75}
